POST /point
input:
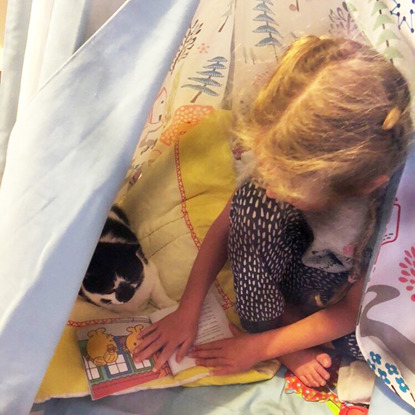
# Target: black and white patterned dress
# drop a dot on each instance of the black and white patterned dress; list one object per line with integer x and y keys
{"x": 267, "y": 241}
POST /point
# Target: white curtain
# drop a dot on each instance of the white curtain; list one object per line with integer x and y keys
{"x": 69, "y": 122}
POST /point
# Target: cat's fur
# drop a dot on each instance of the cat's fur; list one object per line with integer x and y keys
{"x": 120, "y": 277}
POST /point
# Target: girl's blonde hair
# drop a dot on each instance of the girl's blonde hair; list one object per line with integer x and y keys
{"x": 335, "y": 112}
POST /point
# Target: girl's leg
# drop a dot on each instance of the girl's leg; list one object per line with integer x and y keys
{"x": 310, "y": 287}
{"x": 309, "y": 365}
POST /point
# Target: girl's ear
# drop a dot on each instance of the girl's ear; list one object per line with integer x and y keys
{"x": 374, "y": 184}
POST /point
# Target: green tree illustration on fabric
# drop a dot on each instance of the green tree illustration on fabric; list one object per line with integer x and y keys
{"x": 227, "y": 14}
{"x": 383, "y": 20}
{"x": 249, "y": 54}
{"x": 267, "y": 25}
{"x": 205, "y": 83}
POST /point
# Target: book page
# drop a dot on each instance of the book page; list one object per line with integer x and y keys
{"x": 213, "y": 325}
{"x": 107, "y": 354}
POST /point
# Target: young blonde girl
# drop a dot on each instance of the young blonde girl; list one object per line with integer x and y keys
{"x": 327, "y": 132}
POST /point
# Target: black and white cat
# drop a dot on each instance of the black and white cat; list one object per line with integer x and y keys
{"x": 119, "y": 276}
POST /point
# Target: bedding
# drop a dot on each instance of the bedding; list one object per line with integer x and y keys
{"x": 263, "y": 398}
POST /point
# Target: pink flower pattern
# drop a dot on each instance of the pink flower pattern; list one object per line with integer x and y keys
{"x": 203, "y": 48}
{"x": 408, "y": 271}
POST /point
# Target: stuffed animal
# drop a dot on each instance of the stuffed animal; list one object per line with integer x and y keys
{"x": 120, "y": 277}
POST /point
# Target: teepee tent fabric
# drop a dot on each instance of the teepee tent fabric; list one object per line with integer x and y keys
{"x": 384, "y": 335}
{"x": 228, "y": 53}
{"x": 384, "y": 332}
{"x": 66, "y": 157}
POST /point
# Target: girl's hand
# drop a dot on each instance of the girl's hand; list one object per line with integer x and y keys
{"x": 234, "y": 355}
{"x": 177, "y": 330}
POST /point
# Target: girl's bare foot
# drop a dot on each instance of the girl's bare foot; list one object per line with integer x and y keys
{"x": 309, "y": 366}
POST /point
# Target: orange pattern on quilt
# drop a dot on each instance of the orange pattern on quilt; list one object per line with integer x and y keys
{"x": 184, "y": 118}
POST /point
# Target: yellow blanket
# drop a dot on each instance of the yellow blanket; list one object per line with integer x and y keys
{"x": 170, "y": 208}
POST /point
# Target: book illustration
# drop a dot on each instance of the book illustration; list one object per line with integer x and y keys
{"x": 132, "y": 340}
{"x": 107, "y": 351}
{"x": 101, "y": 347}
{"x": 107, "y": 354}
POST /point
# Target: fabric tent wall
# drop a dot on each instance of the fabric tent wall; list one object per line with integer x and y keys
{"x": 384, "y": 336}
{"x": 54, "y": 196}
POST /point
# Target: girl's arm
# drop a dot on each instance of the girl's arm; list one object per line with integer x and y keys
{"x": 318, "y": 328}
{"x": 242, "y": 352}
{"x": 179, "y": 329}
{"x": 209, "y": 261}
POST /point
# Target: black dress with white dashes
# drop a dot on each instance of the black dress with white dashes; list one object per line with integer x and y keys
{"x": 267, "y": 240}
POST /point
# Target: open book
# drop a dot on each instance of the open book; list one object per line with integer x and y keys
{"x": 107, "y": 352}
